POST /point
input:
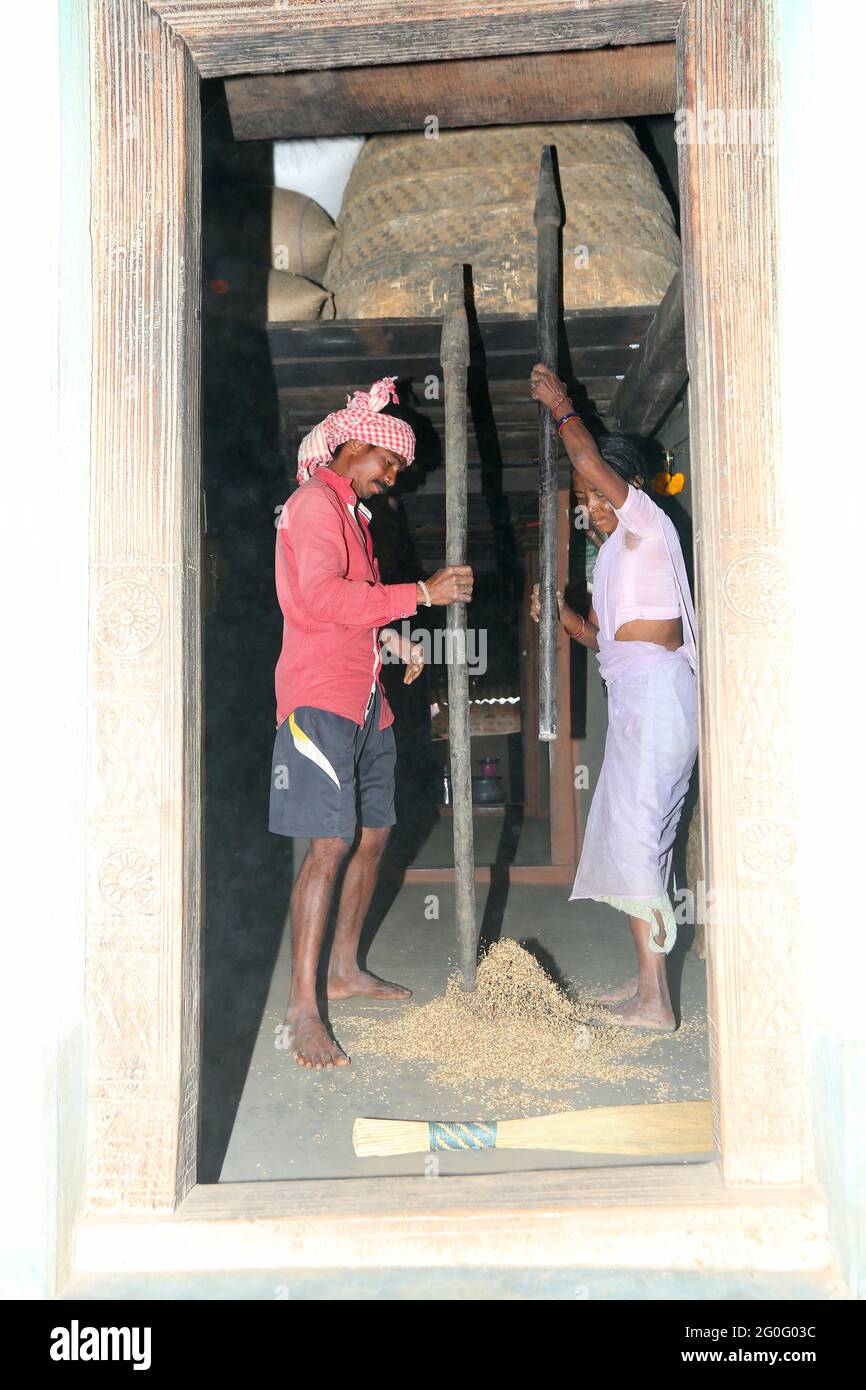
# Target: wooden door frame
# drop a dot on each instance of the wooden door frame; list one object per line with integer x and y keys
{"x": 756, "y": 1206}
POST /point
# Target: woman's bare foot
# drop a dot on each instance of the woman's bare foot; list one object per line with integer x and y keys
{"x": 617, "y": 993}
{"x": 654, "y": 1017}
{"x": 360, "y": 983}
{"x": 623, "y": 1006}
{"x": 305, "y": 1035}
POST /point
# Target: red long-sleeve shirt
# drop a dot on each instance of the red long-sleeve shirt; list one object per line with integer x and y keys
{"x": 332, "y": 601}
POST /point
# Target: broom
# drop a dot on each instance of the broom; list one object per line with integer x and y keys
{"x": 683, "y": 1127}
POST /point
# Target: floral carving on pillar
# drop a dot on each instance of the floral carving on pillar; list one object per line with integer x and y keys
{"x": 129, "y": 617}
{"x": 127, "y": 881}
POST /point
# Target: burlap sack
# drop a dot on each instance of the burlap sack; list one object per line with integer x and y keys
{"x": 292, "y": 297}
{"x": 302, "y": 235}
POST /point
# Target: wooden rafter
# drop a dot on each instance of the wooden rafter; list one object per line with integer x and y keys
{"x": 659, "y": 372}
{"x": 578, "y": 85}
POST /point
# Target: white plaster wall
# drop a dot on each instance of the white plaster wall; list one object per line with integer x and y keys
{"x": 821, "y": 283}
{"x": 822, "y": 278}
{"x": 44, "y": 553}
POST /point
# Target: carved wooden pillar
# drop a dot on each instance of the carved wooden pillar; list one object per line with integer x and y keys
{"x": 143, "y": 790}
{"x": 728, "y": 85}
{"x": 144, "y": 741}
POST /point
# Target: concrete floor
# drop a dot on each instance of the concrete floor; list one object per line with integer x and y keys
{"x": 291, "y": 1123}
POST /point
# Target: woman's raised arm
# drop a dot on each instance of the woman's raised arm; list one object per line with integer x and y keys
{"x": 580, "y": 446}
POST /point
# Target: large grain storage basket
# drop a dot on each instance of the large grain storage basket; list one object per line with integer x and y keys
{"x": 413, "y": 206}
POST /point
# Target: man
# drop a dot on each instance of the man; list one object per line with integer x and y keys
{"x": 334, "y": 744}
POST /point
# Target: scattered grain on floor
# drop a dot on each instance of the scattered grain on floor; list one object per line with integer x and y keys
{"x": 509, "y": 1046}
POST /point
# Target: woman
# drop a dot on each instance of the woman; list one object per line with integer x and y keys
{"x": 642, "y": 626}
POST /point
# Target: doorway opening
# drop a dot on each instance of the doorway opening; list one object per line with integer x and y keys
{"x": 266, "y": 381}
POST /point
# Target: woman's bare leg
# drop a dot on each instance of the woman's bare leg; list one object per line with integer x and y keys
{"x": 650, "y": 1005}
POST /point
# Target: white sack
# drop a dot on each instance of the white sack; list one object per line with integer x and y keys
{"x": 318, "y": 168}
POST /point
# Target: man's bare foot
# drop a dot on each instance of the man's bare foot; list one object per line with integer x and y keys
{"x": 305, "y": 1035}
{"x": 654, "y": 1018}
{"x": 360, "y": 983}
{"x": 617, "y": 993}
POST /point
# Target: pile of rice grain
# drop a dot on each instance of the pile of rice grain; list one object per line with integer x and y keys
{"x": 516, "y": 1027}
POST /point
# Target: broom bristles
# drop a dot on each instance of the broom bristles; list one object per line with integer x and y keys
{"x": 633, "y": 1130}
{"x": 378, "y": 1138}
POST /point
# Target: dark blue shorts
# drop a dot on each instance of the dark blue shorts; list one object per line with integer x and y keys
{"x": 328, "y": 773}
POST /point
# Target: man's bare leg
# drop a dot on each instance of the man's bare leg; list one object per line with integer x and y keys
{"x": 345, "y": 977}
{"x": 650, "y": 1006}
{"x": 304, "y": 1032}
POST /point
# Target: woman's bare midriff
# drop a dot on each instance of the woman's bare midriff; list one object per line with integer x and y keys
{"x": 665, "y": 632}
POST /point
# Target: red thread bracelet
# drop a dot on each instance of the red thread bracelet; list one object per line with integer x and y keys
{"x": 569, "y": 415}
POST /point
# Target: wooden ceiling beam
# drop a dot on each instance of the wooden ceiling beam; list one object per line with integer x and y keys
{"x": 659, "y": 371}
{"x": 316, "y": 364}
{"x": 508, "y": 398}
{"x": 274, "y": 36}
{"x": 508, "y": 365}
{"x": 417, "y": 337}
{"x": 578, "y": 85}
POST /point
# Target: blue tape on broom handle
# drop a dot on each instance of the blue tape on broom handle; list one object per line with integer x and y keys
{"x": 456, "y": 1135}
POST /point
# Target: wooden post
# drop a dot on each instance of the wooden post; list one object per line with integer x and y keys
{"x": 548, "y": 220}
{"x": 529, "y": 697}
{"x": 561, "y": 783}
{"x": 454, "y": 357}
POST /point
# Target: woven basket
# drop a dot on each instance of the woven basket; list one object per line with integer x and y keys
{"x": 413, "y": 206}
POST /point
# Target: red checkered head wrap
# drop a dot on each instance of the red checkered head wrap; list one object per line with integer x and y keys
{"x": 361, "y": 419}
